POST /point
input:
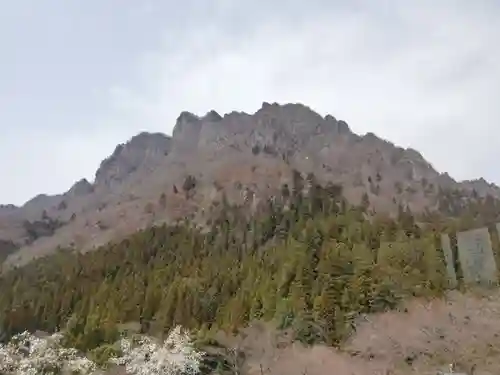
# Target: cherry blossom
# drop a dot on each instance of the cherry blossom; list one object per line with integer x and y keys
{"x": 147, "y": 356}
{"x": 27, "y": 354}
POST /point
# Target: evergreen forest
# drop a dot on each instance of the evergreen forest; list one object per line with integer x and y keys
{"x": 307, "y": 260}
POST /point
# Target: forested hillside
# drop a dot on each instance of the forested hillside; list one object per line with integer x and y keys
{"x": 307, "y": 260}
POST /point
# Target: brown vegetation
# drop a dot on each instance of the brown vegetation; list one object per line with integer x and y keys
{"x": 422, "y": 337}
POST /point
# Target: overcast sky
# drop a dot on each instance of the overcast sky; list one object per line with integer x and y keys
{"x": 77, "y": 77}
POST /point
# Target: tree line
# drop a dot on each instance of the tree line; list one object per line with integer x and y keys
{"x": 307, "y": 260}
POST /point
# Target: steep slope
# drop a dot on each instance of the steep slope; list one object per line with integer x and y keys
{"x": 155, "y": 178}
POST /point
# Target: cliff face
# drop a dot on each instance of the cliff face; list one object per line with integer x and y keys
{"x": 154, "y": 177}
{"x": 144, "y": 151}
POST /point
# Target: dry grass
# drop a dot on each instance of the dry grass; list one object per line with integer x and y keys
{"x": 422, "y": 338}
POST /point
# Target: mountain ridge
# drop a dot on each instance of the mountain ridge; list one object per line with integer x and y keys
{"x": 154, "y": 177}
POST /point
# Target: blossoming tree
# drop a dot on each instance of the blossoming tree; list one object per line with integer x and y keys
{"x": 147, "y": 356}
{"x": 27, "y": 354}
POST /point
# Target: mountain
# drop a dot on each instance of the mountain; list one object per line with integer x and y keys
{"x": 155, "y": 178}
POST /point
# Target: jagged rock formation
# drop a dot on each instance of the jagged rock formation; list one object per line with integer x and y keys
{"x": 155, "y": 178}
{"x": 81, "y": 188}
{"x": 142, "y": 151}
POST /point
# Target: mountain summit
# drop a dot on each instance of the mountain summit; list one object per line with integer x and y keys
{"x": 154, "y": 178}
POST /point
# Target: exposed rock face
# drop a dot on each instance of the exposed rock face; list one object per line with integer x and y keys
{"x": 186, "y": 133}
{"x": 143, "y": 150}
{"x": 245, "y": 156}
{"x": 481, "y": 186}
{"x": 81, "y": 188}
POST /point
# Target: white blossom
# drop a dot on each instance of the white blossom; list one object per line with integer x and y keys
{"x": 27, "y": 354}
{"x": 147, "y": 356}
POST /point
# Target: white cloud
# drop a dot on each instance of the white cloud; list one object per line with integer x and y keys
{"x": 422, "y": 73}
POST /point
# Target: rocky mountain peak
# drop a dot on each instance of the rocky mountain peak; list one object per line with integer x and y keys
{"x": 337, "y": 126}
{"x": 184, "y": 120}
{"x": 295, "y": 119}
{"x": 144, "y": 148}
{"x": 234, "y": 152}
{"x": 186, "y": 132}
{"x": 80, "y": 188}
{"x": 37, "y": 200}
{"x": 343, "y": 127}
{"x": 294, "y": 127}
{"x": 482, "y": 187}
{"x": 149, "y": 141}
{"x": 288, "y": 110}
{"x": 212, "y": 116}
{"x": 277, "y": 128}
{"x": 39, "y": 203}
